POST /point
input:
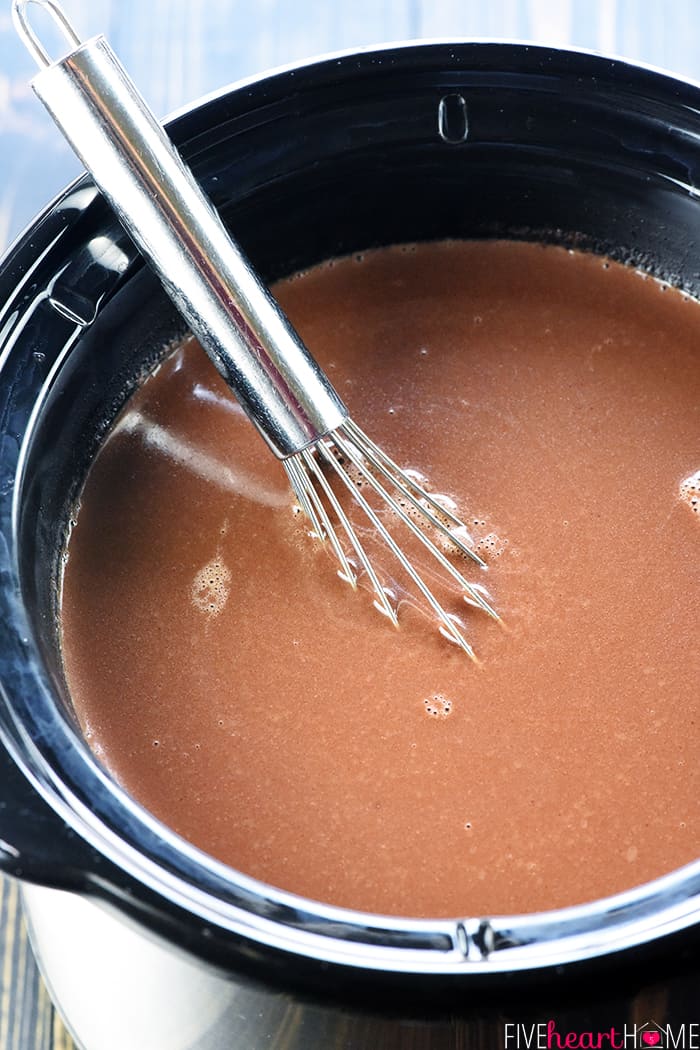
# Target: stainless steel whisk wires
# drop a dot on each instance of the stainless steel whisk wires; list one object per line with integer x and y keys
{"x": 241, "y": 327}
{"x": 371, "y": 462}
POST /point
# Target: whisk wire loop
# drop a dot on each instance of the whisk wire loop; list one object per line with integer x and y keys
{"x": 309, "y": 501}
{"x": 311, "y": 471}
{"x": 346, "y": 570}
{"x": 412, "y": 491}
{"x": 446, "y": 621}
{"x": 382, "y": 601}
{"x": 350, "y": 451}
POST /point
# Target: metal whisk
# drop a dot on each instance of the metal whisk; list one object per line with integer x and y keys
{"x": 239, "y": 324}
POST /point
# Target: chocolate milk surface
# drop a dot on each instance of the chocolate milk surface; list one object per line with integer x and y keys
{"x": 244, "y": 694}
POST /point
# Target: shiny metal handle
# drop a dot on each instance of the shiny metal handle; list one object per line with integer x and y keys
{"x": 162, "y": 207}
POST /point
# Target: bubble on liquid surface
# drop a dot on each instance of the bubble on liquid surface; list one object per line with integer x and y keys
{"x": 690, "y": 491}
{"x": 491, "y": 544}
{"x": 210, "y": 587}
{"x": 355, "y": 474}
{"x": 416, "y": 513}
{"x": 437, "y": 706}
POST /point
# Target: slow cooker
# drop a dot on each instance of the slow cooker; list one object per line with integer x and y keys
{"x": 144, "y": 941}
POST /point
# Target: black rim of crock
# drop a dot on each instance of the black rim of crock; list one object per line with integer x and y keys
{"x": 165, "y": 882}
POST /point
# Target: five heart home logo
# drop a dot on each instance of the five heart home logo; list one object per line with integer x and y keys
{"x": 651, "y": 1036}
{"x": 546, "y": 1035}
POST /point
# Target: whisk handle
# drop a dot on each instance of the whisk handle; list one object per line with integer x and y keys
{"x": 158, "y": 201}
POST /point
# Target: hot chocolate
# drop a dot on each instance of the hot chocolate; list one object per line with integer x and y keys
{"x": 246, "y": 696}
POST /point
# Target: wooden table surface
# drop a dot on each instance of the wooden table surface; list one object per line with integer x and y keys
{"x": 178, "y": 50}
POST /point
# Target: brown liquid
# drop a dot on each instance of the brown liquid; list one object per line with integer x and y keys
{"x": 247, "y": 697}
